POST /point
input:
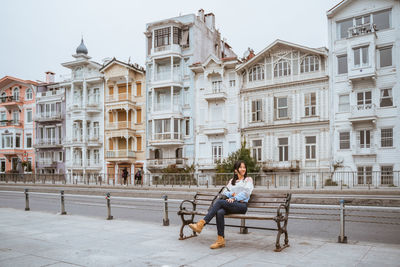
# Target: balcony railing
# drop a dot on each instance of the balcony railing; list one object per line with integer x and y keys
{"x": 167, "y": 136}
{"x": 10, "y": 99}
{"x": 46, "y": 161}
{"x": 166, "y": 162}
{"x": 120, "y": 154}
{"x": 361, "y": 29}
{"x": 50, "y": 93}
{"x": 48, "y": 116}
{"x": 166, "y": 107}
{"x": 166, "y": 76}
{"x": 120, "y": 97}
{"x": 119, "y": 125}
{"x": 167, "y": 49}
{"x": 365, "y": 112}
{"x": 10, "y": 123}
{"x": 48, "y": 142}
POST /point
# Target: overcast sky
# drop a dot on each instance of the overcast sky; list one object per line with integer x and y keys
{"x": 39, "y": 35}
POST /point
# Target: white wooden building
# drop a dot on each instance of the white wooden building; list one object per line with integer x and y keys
{"x": 217, "y": 111}
{"x": 364, "y": 55}
{"x": 285, "y": 109}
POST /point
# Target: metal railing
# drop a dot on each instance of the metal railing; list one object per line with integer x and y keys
{"x": 270, "y": 181}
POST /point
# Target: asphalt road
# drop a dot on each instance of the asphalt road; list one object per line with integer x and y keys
{"x": 305, "y": 220}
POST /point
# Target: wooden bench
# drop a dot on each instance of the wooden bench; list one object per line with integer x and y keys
{"x": 261, "y": 206}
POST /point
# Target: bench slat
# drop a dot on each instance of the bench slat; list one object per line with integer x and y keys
{"x": 236, "y": 216}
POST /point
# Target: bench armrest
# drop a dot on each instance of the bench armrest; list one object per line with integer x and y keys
{"x": 279, "y": 214}
{"x": 181, "y": 207}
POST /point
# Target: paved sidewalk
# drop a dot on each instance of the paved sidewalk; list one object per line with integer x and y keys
{"x": 44, "y": 239}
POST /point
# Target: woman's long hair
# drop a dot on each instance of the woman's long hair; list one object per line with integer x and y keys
{"x": 236, "y": 166}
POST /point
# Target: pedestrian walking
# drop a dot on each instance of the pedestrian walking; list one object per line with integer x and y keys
{"x": 237, "y": 196}
{"x": 125, "y": 176}
{"x": 138, "y": 176}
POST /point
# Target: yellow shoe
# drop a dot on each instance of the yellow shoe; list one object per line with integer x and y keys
{"x": 197, "y": 227}
{"x": 219, "y": 243}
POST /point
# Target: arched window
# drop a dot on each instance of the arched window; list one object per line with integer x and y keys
{"x": 16, "y": 93}
{"x": 3, "y": 97}
{"x": 282, "y": 68}
{"x": 78, "y": 72}
{"x": 28, "y": 94}
{"x": 309, "y": 64}
{"x": 256, "y": 73}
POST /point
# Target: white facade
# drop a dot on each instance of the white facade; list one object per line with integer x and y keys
{"x": 364, "y": 57}
{"x": 217, "y": 111}
{"x": 84, "y": 119}
{"x": 285, "y": 109}
{"x": 172, "y": 46}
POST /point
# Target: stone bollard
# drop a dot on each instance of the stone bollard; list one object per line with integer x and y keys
{"x": 165, "y": 219}
{"x": 63, "y": 212}
{"x": 108, "y": 197}
{"x": 26, "y": 200}
{"x": 243, "y": 228}
{"x": 342, "y": 238}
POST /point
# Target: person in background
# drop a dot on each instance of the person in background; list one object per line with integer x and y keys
{"x": 125, "y": 176}
{"x": 138, "y": 176}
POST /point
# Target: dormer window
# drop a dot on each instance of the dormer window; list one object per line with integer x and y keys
{"x": 309, "y": 64}
{"x": 256, "y": 73}
{"x": 282, "y": 68}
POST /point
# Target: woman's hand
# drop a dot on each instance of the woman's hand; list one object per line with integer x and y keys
{"x": 230, "y": 200}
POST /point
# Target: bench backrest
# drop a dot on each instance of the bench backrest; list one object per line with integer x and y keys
{"x": 259, "y": 202}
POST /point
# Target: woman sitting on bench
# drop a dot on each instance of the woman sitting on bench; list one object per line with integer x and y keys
{"x": 237, "y": 196}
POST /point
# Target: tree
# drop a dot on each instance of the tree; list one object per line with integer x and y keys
{"x": 243, "y": 153}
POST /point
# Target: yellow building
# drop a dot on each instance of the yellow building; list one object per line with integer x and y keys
{"x": 124, "y": 119}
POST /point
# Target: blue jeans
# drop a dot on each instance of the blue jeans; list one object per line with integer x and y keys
{"x": 222, "y": 207}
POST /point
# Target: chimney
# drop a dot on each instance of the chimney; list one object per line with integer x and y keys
{"x": 50, "y": 76}
{"x": 210, "y": 21}
{"x": 201, "y": 14}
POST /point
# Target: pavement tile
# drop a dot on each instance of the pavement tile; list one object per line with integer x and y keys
{"x": 26, "y": 260}
{"x": 7, "y": 253}
{"x": 55, "y": 240}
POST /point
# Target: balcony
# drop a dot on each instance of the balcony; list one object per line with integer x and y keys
{"x": 215, "y": 127}
{"x": 166, "y": 139}
{"x": 166, "y": 77}
{"x": 45, "y": 117}
{"x": 208, "y": 163}
{"x": 363, "y": 113}
{"x": 49, "y": 94}
{"x": 48, "y": 143}
{"x": 166, "y": 49}
{"x": 273, "y": 165}
{"x": 95, "y": 140}
{"x": 47, "y": 162}
{"x": 79, "y": 164}
{"x": 163, "y": 163}
{"x": 92, "y": 140}
{"x": 10, "y": 123}
{"x": 364, "y": 151}
{"x": 164, "y": 110}
{"x": 118, "y": 155}
{"x": 216, "y": 94}
{"x": 11, "y": 101}
{"x": 120, "y": 97}
{"x": 119, "y": 125}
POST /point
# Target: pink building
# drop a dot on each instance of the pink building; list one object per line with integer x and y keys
{"x": 17, "y": 109}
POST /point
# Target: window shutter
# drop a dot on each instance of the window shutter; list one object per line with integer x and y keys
{"x": 289, "y": 103}
{"x": 275, "y": 108}
{"x": 358, "y": 138}
{"x": 263, "y": 110}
